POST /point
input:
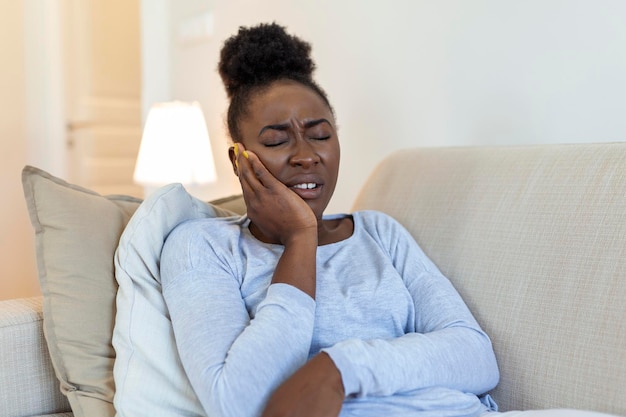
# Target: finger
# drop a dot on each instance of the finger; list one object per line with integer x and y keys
{"x": 235, "y": 154}
{"x": 258, "y": 169}
{"x": 238, "y": 151}
{"x": 247, "y": 175}
{"x": 261, "y": 173}
{"x": 253, "y": 170}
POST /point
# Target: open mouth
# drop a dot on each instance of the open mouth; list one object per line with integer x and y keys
{"x": 307, "y": 190}
{"x": 305, "y": 186}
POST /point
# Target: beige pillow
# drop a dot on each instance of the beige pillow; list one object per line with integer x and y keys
{"x": 77, "y": 232}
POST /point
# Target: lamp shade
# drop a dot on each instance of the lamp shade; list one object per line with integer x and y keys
{"x": 175, "y": 147}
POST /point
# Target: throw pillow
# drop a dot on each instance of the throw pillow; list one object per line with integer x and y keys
{"x": 76, "y": 234}
{"x": 150, "y": 380}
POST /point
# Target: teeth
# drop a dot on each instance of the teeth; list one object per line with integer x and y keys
{"x": 306, "y": 186}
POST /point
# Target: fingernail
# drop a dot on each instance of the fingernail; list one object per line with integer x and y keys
{"x": 236, "y": 149}
{"x": 245, "y": 154}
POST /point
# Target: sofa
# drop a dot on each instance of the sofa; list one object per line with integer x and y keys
{"x": 533, "y": 237}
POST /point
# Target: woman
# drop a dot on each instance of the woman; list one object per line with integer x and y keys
{"x": 290, "y": 312}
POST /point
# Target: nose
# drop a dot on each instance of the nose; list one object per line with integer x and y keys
{"x": 304, "y": 154}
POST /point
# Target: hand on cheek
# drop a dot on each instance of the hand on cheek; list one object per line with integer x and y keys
{"x": 276, "y": 210}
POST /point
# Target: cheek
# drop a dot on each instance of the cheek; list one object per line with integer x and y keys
{"x": 332, "y": 158}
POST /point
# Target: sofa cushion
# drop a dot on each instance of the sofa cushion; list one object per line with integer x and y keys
{"x": 143, "y": 338}
{"x": 26, "y": 390}
{"x": 533, "y": 239}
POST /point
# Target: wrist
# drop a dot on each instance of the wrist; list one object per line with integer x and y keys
{"x": 305, "y": 237}
{"x": 332, "y": 373}
{"x": 297, "y": 264}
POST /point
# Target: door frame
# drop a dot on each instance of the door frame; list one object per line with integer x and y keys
{"x": 44, "y": 55}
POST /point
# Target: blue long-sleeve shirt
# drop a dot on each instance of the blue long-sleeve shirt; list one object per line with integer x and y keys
{"x": 401, "y": 336}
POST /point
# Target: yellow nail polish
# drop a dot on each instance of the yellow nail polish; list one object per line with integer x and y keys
{"x": 245, "y": 154}
{"x": 236, "y": 147}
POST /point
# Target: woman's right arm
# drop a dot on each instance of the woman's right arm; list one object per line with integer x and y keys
{"x": 233, "y": 362}
{"x": 226, "y": 355}
{"x": 283, "y": 217}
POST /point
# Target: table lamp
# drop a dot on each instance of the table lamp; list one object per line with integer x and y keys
{"x": 175, "y": 148}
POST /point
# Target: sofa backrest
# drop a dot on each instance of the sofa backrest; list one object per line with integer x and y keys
{"x": 534, "y": 239}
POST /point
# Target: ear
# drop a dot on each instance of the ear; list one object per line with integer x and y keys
{"x": 233, "y": 159}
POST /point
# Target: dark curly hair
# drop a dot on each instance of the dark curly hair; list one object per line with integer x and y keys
{"x": 256, "y": 57}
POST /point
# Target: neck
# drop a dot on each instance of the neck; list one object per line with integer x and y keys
{"x": 328, "y": 231}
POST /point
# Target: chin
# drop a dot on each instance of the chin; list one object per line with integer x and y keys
{"x": 319, "y": 212}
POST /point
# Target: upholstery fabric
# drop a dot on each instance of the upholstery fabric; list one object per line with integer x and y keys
{"x": 26, "y": 376}
{"x": 143, "y": 337}
{"x": 533, "y": 239}
{"x": 76, "y": 234}
{"x": 58, "y": 415}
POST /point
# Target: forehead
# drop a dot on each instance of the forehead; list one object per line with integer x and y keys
{"x": 287, "y": 100}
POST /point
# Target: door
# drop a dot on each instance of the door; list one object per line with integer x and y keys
{"x": 101, "y": 41}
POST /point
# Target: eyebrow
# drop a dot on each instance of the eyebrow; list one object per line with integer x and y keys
{"x": 284, "y": 126}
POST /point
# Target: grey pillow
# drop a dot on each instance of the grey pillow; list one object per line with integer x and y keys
{"x": 143, "y": 336}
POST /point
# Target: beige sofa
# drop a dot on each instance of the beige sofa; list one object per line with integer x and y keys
{"x": 533, "y": 237}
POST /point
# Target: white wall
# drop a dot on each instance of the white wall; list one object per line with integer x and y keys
{"x": 18, "y": 276}
{"x": 431, "y": 73}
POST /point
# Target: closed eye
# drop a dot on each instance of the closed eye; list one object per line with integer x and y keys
{"x": 321, "y": 137}
{"x": 274, "y": 144}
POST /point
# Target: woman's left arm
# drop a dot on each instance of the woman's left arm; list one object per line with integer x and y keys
{"x": 448, "y": 348}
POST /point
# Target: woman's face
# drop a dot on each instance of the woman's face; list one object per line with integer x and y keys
{"x": 293, "y": 132}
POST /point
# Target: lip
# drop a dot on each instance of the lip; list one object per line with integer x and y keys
{"x": 308, "y": 193}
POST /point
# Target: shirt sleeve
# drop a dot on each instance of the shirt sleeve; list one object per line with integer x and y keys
{"x": 448, "y": 348}
{"x": 233, "y": 362}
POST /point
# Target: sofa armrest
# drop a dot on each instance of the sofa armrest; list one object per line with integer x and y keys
{"x": 28, "y": 385}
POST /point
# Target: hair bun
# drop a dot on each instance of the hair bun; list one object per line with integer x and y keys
{"x": 261, "y": 54}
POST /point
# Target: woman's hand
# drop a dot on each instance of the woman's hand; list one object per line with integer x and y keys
{"x": 279, "y": 213}
{"x": 315, "y": 390}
